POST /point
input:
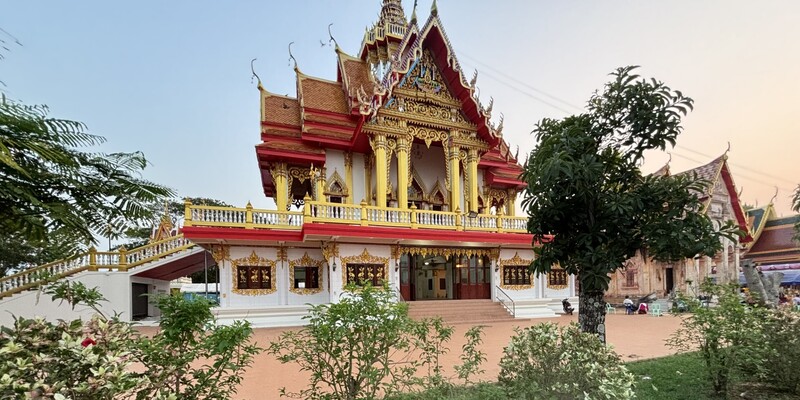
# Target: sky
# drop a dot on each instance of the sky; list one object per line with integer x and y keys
{"x": 172, "y": 78}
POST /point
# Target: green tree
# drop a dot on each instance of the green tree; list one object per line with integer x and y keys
{"x": 17, "y": 253}
{"x": 796, "y": 208}
{"x": 586, "y": 189}
{"x": 48, "y": 183}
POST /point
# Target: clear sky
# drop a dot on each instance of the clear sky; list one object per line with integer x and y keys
{"x": 172, "y": 78}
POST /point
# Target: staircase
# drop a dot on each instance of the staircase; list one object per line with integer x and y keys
{"x": 460, "y": 311}
{"x": 122, "y": 260}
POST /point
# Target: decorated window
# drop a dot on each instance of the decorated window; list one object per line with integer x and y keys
{"x": 254, "y": 277}
{"x": 305, "y": 275}
{"x": 516, "y": 275}
{"x": 630, "y": 278}
{"x": 306, "y": 278}
{"x": 361, "y": 274}
{"x": 557, "y": 279}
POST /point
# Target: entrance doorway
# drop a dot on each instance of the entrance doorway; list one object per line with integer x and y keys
{"x": 138, "y": 301}
{"x": 428, "y": 277}
{"x": 669, "y": 278}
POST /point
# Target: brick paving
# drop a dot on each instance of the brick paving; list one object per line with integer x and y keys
{"x": 634, "y": 337}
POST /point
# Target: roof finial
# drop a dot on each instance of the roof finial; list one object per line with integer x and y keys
{"x": 291, "y": 56}
{"x": 726, "y": 151}
{"x": 772, "y": 200}
{"x": 670, "y": 158}
{"x": 255, "y": 75}
{"x": 434, "y": 9}
{"x": 331, "y": 37}
{"x": 414, "y": 13}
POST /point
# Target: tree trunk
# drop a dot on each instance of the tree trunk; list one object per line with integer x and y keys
{"x": 592, "y": 313}
{"x": 754, "y": 283}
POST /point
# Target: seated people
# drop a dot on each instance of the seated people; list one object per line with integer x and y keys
{"x": 568, "y": 309}
{"x": 628, "y": 303}
{"x": 643, "y": 308}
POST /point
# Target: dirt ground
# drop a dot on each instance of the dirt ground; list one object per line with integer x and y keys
{"x": 634, "y": 337}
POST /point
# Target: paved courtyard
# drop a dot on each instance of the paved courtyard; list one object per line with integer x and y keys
{"x": 634, "y": 337}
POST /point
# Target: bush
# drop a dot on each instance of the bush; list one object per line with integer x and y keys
{"x": 779, "y": 353}
{"x": 548, "y": 362}
{"x": 93, "y": 360}
{"x": 366, "y": 345}
{"x": 727, "y": 335}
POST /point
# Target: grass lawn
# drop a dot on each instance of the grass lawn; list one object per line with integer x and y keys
{"x": 678, "y": 377}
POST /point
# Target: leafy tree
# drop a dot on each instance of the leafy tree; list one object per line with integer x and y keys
{"x": 796, "y": 208}
{"x": 16, "y": 253}
{"x": 49, "y": 184}
{"x": 585, "y": 188}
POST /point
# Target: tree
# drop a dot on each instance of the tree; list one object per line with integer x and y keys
{"x": 48, "y": 184}
{"x": 585, "y": 188}
{"x": 796, "y": 208}
{"x": 17, "y": 253}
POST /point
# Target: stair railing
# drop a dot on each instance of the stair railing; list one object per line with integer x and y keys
{"x": 506, "y": 301}
{"x": 399, "y": 294}
{"x": 92, "y": 260}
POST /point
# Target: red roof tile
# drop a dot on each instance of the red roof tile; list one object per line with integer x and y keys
{"x": 281, "y": 110}
{"x": 323, "y": 95}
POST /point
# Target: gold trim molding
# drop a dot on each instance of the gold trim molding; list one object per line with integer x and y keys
{"x": 444, "y": 251}
{"x": 252, "y": 260}
{"x": 514, "y": 261}
{"x": 557, "y": 287}
{"x": 305, "y": 261}
{"x": 220, "y": 253}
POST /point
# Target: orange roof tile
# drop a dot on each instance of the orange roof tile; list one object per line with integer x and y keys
{"x": 323, "y": 95}
{"x": 281, "y": 110}
{"x": 358, "y": 76}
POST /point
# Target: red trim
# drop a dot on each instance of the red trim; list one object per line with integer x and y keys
{"x": 737, "y": 208}
{"x": 273, "y": 154}
{"x": 211, "y": 233}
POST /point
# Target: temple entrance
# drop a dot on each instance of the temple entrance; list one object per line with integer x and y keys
{"x": 670, "y": 279}
{"x": 429, "y": 277}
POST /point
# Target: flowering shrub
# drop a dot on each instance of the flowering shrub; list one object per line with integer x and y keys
{"x": 727, "y": 335}
{"x": 548, "y": 362}
{"x": 366, "y": 345}
{"x": 778, "y": 353}
{"x": 78, "y": 360}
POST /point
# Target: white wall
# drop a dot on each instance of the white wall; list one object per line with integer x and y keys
{"x": 347, "y": 250}
{"x": 359, "y": 175}
{"x": 524, "y": 294}
{"x": 299, "y": 299}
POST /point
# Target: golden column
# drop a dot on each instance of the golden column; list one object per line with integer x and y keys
{"x": 455, "y": 190}
{"x": 472, "y": 169}
{"x": 403, "y": 149}
{"x": 320, "y": 179}
{"x": 348, "y": 176}
{"x": 511, "y": 208}
{"x": 281, "y": 177}
{"x": 378, "y": 143}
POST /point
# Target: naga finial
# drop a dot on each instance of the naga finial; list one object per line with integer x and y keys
{"x": 499, "y": 129}
{"x": 474, "y": 80}
{"x": 490, "y": 107}
{"x": 336, "y": 44}
{"x": 291, "y": 56}
{"x": 516, "y": 154}
{"x": 414, "y": 13}
{"x": 772, "y": 200}
{"x": 255, "y": 75}
{"x": 434, "y": 9}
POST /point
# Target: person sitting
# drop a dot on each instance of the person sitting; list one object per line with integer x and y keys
{"x": 568, "y": 309}
{"x": 628, "y": 303}
{"x": 643, "y": 308}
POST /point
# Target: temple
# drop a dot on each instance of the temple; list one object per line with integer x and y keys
{"x": 393, "y": 173}
{"x": 773, "y": 247}
{"x": 642, "y": 276}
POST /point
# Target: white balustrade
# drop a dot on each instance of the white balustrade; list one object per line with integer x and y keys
{"x": 436, "y": 218}
{"x": 344, "y": 212}
{"x": 515, "y": 223}
{"x": 218, "y": 214}
{"x": 481, "y": 222}
{"x": 274, "y": 217}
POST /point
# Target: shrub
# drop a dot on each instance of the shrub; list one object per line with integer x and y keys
{"x": 726, "y": 335}
{"x": 366, "y": 345}
{"x": 548, "y": 362}
{"x": 189, "y": 358}
{"x": 779, "y": 353}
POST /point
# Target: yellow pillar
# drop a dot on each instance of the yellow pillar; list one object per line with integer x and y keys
{"x": 403, "y": 148}
{"x": 281, "y": 177}
{"x": 455, "y": 187}
{"x": 511, "y": 208}
{"x": 472, "y": 168}
{"x": 320, "y": 181}
{"x": 379, "y": 147}
{"x": 348, "y": 177}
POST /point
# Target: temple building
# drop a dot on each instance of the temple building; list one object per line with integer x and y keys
{"x": 393, "y": 173}
{"x": 774, "y": 247}
{"x": 721, "y": 203}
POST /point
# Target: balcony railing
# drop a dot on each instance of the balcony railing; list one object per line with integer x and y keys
{"x": 349, "y": 214}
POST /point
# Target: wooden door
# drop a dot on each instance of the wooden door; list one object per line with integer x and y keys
{"x": 407, "y": 289}
{"x": 474, "y": 279}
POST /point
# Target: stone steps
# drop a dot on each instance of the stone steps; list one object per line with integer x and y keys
{"x": 459, "y": 311}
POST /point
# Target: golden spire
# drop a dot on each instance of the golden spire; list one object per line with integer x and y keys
{"x": 434, "y": 9}
{"x": 414, "y": 13}
{"x": 392, "y": 13}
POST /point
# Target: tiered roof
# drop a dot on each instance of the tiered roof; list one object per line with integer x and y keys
{"x": 714, "y": 172}
{"x": 774, "y": 237}
{"x": 331, "y": 114}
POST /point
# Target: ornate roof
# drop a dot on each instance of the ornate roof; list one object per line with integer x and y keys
{"x": 332, "y": 114}
{"x": 775, "y": 242}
